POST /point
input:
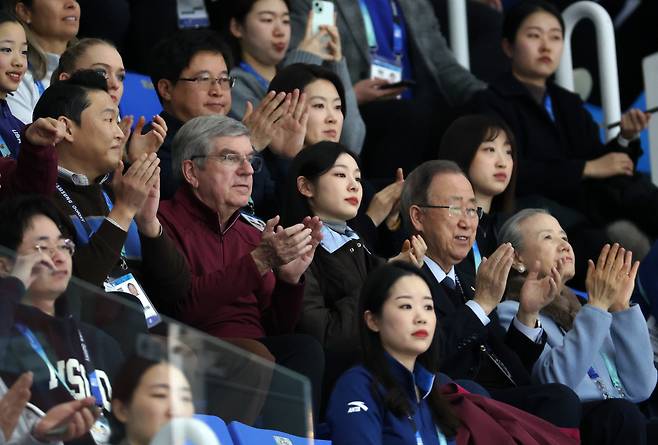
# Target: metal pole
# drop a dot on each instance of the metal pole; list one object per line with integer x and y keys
{"x": 605, "y": 42}
{"x": 459, "y": 31}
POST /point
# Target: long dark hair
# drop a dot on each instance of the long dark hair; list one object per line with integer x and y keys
{"x": 516, "y": 15}
{"x": 311, "y": 163}
{"x": 460, "y": 144}
{"x": 374, "y": 293}
{"x": 299, "y": 75}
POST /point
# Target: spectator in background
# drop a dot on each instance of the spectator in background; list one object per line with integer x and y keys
{"x": 247, "y": 284}
{"x": 51, "y": 25}
{"x": 190, "y": 72}
{"x": 561, "y": 155}
{"x": 118, "y": 231}
{"x": 601, "y": 350}
{"x": 103, "y": 57}
{"x": 260, "y": 31}
{"x": 147, "y": 395}
{"x": 38, "y": 333}
{"x": 422, "y": 55}
{"x": 438, "y": 202}
{"x": 13, "y": 62}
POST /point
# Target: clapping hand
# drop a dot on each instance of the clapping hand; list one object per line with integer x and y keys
{"x": 13, "y": 403}
{"x": 45, "y": 131}
{"x": 144, "y": 143}
{"x": 491, "y": 278}
{"x": 610, "y": 282}
{"x": 537, "y": 293}
{"x": 263, "y": 120}
{"x": 413, "y": 251}
{"x": 288, "y": 136}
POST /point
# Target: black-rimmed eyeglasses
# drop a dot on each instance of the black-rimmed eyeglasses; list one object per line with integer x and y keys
{"x": 205, "y": 81}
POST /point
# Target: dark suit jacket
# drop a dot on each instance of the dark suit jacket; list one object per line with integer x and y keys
{"x": 462, "y": 334}
{"x": 433, "y": 63}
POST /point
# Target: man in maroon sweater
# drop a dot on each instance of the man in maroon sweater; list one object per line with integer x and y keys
{"x": 246, "y": 275}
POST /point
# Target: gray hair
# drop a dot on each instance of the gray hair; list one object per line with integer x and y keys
{"x": 418, "y": 183}
{"x": 196, "y": 137}
{"x": 510, "y": 232}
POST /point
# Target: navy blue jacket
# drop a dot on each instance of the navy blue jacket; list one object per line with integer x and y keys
{"x": 10, "y": 129}
{"x": 355, "y": 416}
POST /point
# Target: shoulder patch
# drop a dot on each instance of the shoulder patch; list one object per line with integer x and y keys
{"x": 254, "y": 221}
{"x": 356, "y": 407}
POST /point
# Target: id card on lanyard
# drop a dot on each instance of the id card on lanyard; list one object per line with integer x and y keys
{"x": 4, "y": 149}
{"x": 440, "y": 435}
{"x": 192, "y": 14}
{"x": 100, "y": 431}
{"x": 382, "y": 67}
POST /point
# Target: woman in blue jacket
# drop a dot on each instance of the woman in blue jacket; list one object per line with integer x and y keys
{"x": 392, "y": 398}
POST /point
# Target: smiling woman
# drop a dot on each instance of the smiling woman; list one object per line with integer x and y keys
{"x": 51, "y": 26}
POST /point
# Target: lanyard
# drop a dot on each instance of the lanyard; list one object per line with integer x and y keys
{"x": 40, "y": 87}
{"x": 91, "y": 371}
{"x": 477, "y": 257}
{"x": 370, "y": 29}
{"x": 250, "y": 69}
{"x": 85, "y": 223}
{"x": 614, "y": 378}
{"x": 548, "y": 105}
{"x": 440, "y": 435}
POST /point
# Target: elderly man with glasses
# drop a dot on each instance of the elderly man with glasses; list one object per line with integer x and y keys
{"x": 438, "y": 202}
{"x": 247, "y": 285}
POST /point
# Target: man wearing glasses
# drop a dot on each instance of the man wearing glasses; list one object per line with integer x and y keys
{"x": 246, "y": 276}
{"x": 438, "y": 202}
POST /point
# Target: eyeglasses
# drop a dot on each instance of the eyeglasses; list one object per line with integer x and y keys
{"x": 205, "y": 81}
{"x": 457, "y": 211}
{"x": 62, "y": 246}
{"x": 235, "y": 160}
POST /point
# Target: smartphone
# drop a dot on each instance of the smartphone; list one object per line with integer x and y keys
{"x": 403, "y": 83}
{"x": 323, "y": 14}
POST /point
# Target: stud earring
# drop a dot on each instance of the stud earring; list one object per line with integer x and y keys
{"x": 521, "y": 268}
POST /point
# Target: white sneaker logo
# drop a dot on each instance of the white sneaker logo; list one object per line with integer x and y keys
{"x": 356, "y": 406}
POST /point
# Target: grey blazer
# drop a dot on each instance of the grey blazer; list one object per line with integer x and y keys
{"x": 430, "y": 54}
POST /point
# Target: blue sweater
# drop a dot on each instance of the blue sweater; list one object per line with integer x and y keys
{"x": 356, "y": 417}
{"x": 622, "y": 336}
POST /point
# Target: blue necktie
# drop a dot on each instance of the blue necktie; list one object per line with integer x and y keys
{"x": 449, "y": 282}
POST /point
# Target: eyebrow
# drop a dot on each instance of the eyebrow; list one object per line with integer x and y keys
{"x": 539, "y": 28}
{"x": 167, "y": 386}
{"x": 47, "y": 238}
{"x": 105, "y": 65}
{"x": 561, "y": 232}
{"x": 273, "y": 13}
{"x": 200, "y": 72}
{"x": 110, "y": 110}
{"x": 346, "y": 167}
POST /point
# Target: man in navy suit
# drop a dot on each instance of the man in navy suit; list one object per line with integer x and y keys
{"x": 438, "y": 202}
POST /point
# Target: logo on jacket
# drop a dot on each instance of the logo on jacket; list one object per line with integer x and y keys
{"x": 356, "y": 407}
{"x": 278, "y": 440}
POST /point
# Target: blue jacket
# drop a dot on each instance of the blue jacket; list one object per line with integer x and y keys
{"x": 622, "y": 336}
{"x": 355, "y": 416}
{"x": 10, "y": 129}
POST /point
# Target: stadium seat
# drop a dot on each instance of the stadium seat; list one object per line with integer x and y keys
{"x": 246, "y": 435}
{"x": 218, "y": 426}
{"x": 139, "y": 97}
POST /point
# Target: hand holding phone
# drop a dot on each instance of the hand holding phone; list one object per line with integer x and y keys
{"x": 408, "y": 83}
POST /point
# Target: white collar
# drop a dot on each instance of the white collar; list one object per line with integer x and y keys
{"x": 436, "y": 270}
{"x": 77, "y": 178}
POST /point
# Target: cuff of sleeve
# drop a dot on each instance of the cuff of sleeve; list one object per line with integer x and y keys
{"x": 534, "y": 334}
{"x": 114, "y": 223}
{"x": 623, "y": 142}
{"x": 478, "y": 311}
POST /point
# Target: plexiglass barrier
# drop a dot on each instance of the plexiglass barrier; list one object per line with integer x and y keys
{"x": 166, "y": 371}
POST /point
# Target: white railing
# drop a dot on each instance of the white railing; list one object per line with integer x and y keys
{"x": 607, "y": 54}
{"x": 458, "y": 25}
{"x": 650, "y": 69}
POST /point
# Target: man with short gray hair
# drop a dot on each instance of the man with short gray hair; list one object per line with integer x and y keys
{"x": 438, "y": 202}
{"x": 247, "y": 285}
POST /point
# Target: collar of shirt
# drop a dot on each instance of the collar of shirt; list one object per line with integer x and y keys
{"x": 420, "y": 377}
{"x": 77, "y": 178}
{"x": 436, "y": 270}
{"x": 333, "y": 240}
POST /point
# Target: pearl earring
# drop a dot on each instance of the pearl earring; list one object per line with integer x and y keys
{"x": 521, "y": 268}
